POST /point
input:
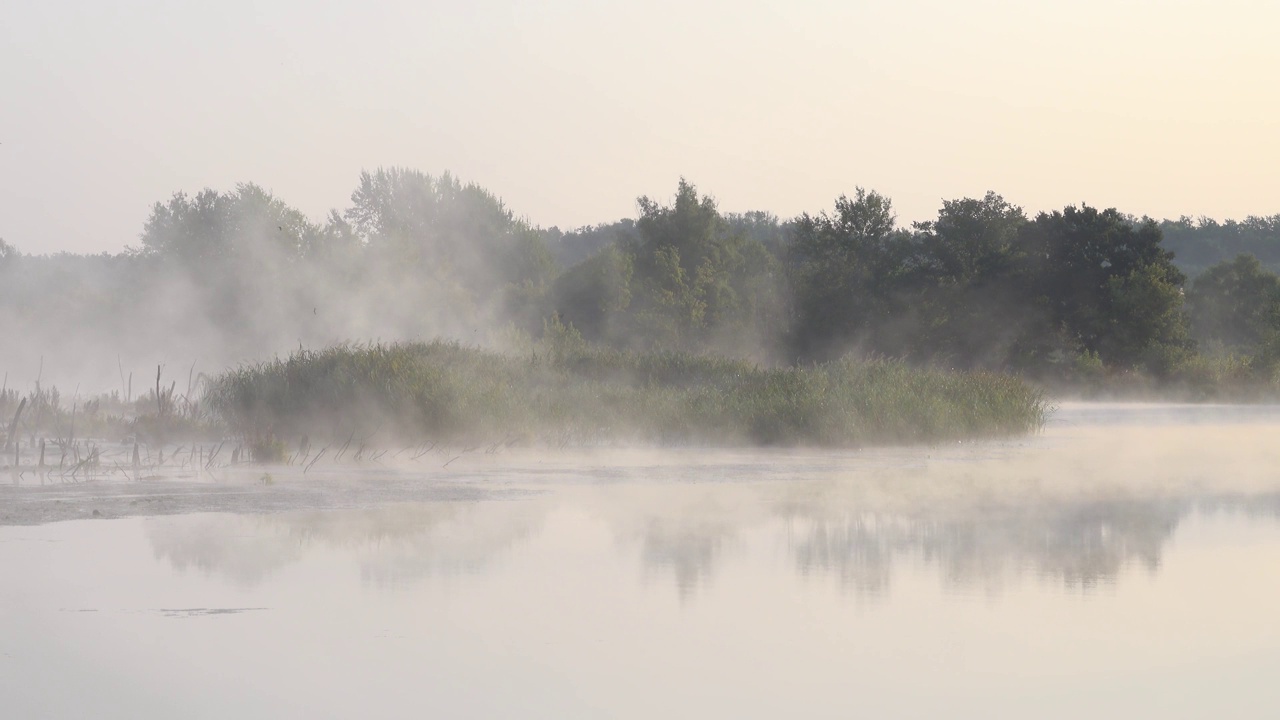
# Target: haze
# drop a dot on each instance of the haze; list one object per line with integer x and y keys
{"x": 570, "y": 110}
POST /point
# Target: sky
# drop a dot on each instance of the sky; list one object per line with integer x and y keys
{"x": 569, "y": 109}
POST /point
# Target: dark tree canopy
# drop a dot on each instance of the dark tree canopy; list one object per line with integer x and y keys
{"x": 1235, "y": 303}
{"x": 846, "y": 269}
{"x": 1089, "y": 268}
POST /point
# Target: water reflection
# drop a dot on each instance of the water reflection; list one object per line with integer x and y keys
{"x": 1101, "y": 492}
{"x": 688, "y": 552}
{"x": 393, "y": 544}
{"x": 1079, "y": 546}
{"x": 685, "y": 534}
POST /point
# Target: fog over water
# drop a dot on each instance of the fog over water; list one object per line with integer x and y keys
{"x": 664, "y": 360}
{"x": 1116, "y": 564}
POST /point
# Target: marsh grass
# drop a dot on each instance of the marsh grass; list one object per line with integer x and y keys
{"x": 1214, "y": 376}
{"x": 155, "y": 417}
{"x": 567, "y": 393}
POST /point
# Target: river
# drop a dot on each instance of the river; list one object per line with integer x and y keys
{"x": 1122, "y": 563}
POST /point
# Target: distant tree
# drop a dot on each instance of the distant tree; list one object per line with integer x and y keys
{"x": 1149, "y": 325}
{"x": 679, "y": 276}
{"x": 219, "y": 230}
{"x": 336, "y": 243}
{"x": 1235, "y": 304}
{"x": 972, "y": 241}
{"x": 446, "y": 232}
{"x": 697, "y": 282}
{"x": 762, "y": 227}
{"x": 849, "y": 273}
{"x": 241, "y": 254}
{"x": 974, "y": 301}
{"x": 1099, "y": 276}
{"x": 1201, "y": 242}
{"x": 594, "y": 296}
{"x": 572, "y": 247}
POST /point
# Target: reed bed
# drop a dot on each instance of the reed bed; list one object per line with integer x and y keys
{"x": 157, "y": 416}
{"x": 556, "y": 395}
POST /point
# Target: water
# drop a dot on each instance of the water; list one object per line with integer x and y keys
{"x": 1124, "y": 563}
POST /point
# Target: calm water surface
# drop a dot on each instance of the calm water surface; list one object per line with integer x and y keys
{"x": 1125, "y": 563}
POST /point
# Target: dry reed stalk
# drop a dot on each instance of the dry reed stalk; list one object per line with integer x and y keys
{"x": 316, "y": 460}
{"x": 344, "y": 447}
{"x": 13, "y": 426}
{"x": 214, "y": 454}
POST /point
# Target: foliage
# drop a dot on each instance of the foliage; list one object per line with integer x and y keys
{"x": 567, "y": 391}
{"x": 1202, "y": 242}
{"x": 974, "y": 288}
{"x": 48, "y": 414}
{"x": 683, "y": 278}
{"x": 1077, "y": 295}
{"x": 1100, "y": 278}
{"x": 1235, "y": 303}
{"x": 846, "y": 270}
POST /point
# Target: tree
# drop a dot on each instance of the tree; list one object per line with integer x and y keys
{"x": 240, "y": 257}
{"x": 1204, "y": 241}
{"x": 972, "y": 242}
{"x": 1083, "y": 265}
{"x": 594, "y": 296}
{"x": 698, "y": 283}
{"x": 848, "y": 272}
{"x": 446, "y": 233}
{"x": 973, "y": 298}
{"x": 1235, "y": 303}
{"x": 1148, "y": 322}
{"x": 226, "y": 230}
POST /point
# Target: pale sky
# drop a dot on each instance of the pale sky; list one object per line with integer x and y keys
{"x": 569, "y": 109}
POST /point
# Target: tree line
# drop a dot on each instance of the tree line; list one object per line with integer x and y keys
{"x": 1059, "y": 295}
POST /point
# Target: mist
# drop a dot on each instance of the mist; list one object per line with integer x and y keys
{"x": 1081, "y": 300}
{"x": 663, "y": 360}
{"x": 223, "y": 278}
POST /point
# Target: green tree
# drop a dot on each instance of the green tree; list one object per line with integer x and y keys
{"x": 243, "y": 254}
{"x": 452, "y": 254}
{"x": 1149, "y": 327}
{"x": 850, "y": 273}
{"x": 445, "y": 232}
{"x": 212, "y": 230}
{"x": 594, "y": 296}
{"x": 973, "y": 241}
{"x": 1235, "y": 304}
{"x": 697, "y": 282}
{"x": 973, "y": 300}
{"x": 1202, "y": 242}
{"x": 1085, "y": 266}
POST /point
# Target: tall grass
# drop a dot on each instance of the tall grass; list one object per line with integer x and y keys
{"x": 157, "y": 416}
{"x": 569, "y": 393}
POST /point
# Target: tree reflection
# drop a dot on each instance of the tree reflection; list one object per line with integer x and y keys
{"x": 976, "y": 531}
{"x": 391, "y": 545}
